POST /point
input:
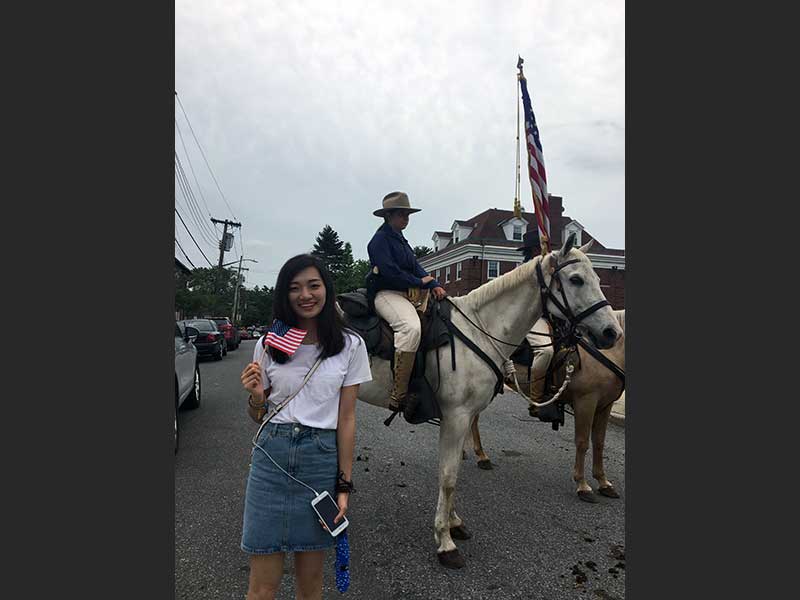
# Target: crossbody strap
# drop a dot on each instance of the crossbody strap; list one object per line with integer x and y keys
{"x": 280, "y": 406}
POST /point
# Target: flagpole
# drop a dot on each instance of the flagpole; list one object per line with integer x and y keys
{"x": 517, "y": 206}
{"x": 544, "y": 240}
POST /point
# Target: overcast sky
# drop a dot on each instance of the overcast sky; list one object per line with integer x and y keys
{"x": 310, "y": 112}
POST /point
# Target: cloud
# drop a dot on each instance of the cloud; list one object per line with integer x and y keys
{"x": 309, "y": 112}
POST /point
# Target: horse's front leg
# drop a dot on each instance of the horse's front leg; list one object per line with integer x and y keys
{"x": 584, "y": 415}
{"x": 599, "y": 428}
{"x": 451, "y": 438}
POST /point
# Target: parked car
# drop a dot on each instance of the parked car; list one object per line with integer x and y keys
{"x": 245, "y": 334}
{"x": 230, "y": 332}
{"x": 187, "y": 373}
{"x": 210, "y": 341}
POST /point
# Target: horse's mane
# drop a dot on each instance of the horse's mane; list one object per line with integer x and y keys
{"x": 494, "y": 288}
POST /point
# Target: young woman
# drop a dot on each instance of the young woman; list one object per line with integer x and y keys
{"x": 312, "y": 438}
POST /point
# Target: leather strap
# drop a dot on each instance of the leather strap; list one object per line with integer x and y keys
{"x": 498, "y": 388}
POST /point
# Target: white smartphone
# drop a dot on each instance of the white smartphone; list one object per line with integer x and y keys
{"x": 327, "y": 510}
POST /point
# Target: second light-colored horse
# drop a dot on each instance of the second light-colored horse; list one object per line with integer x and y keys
{"x": 591, "y": 393}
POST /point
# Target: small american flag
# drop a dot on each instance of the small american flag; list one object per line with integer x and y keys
{"x": 284, "y": 338}
{"x": 536, "y": 172}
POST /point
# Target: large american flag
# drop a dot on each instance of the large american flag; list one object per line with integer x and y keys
{"x": 536, "y": 172}
{"x": 284, "y": 338}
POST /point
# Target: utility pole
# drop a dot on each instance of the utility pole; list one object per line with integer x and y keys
{"x": 222, "y": 244}
{"x": 235, "y": 310}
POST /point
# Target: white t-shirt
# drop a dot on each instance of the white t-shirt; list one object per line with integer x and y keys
{"x": 317, "y": 404}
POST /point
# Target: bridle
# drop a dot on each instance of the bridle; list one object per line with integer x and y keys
{"x": 572, "y": 336}
{"x": 547, "y": 294}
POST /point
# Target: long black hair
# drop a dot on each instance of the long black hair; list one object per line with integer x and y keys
{"x": 330, "y": 328}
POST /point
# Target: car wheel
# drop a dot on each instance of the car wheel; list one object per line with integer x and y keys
{"x": 218, "y": 355}
{"x": 176, "y": 422}
{"x": 193, "y": 399}
{"x": 225, "y": 349}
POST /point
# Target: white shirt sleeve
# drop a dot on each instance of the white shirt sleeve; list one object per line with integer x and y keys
{"x": 358, "y": 370}
{"x": 258, "y": 354}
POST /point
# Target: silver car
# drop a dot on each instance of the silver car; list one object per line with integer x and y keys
{"x": 187, "y": 373}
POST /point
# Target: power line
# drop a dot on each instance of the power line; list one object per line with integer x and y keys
{"x": 187, "y": 188}
{"x": 194, "y": 240}
{"x": 194, "y": 209}
{"x": 186, "y": 256}
{"x": 191, "y": 167}
{"x": 203, "y": 236}
{"x": 203, "y": 154}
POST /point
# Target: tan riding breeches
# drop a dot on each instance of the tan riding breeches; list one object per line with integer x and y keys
{"x": 402, "y": 318}
{"x": 541, "y": 356}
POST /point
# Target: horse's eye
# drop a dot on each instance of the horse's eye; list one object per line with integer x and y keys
{"x": 576, "y": 280}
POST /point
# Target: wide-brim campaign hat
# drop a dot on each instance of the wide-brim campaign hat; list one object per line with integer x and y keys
{"x": 395, "y": 201}
{"x": 529, "y": 240}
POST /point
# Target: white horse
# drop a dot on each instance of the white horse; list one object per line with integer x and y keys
{"x": 507, "y": 308}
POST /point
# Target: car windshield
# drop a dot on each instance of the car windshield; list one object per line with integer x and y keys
{"x": 203, "y": 325}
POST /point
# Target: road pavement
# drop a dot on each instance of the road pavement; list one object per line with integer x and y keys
{"x": 532, "y": 536}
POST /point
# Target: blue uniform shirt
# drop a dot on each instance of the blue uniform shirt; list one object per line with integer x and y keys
{"x": 398, "y": 268}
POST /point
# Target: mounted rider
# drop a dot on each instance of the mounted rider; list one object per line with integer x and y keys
{"x": 398, "y": 286}
{"x": 542, "y": 354}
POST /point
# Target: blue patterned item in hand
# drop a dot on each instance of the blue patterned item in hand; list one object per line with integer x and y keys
{"x": 342, "y": 562}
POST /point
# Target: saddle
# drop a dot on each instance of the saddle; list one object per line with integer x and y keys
{"x": 379, "y": 338}
{"x": 377, "y": 333}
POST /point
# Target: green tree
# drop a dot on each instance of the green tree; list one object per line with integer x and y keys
{"x": 420, "y": 251}
{"x": 202, "y": 296}
{"x": 331, "y": 251}
{"x": 258, "y": 306}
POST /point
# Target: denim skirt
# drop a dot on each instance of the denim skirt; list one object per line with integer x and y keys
{"x": 278, "y": 516}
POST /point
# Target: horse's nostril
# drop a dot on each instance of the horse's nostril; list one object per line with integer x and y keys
{"x": 610, "y": 333}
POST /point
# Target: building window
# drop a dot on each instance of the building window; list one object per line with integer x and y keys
{"x": 438, "y": 274}
{"x": 447, "y": 274}
{"x": 458, "y": 271}
{"x": 494, "y": 269}
{"x": 518, "y": 232}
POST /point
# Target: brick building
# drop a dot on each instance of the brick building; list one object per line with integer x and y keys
{"x": 485, "y": 246}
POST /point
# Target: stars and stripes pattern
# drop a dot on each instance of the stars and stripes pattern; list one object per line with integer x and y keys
{"x": 536, "y": 171}
{"x": 284, "y": 338}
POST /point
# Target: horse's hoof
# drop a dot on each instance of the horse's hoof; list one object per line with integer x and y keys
{"x": 587, "y": 496}
{"x": 608, "y": 492}
{"x": 486, "y": 465}
{"x": 452, "y": 559}
{"x": 460, "y": 532}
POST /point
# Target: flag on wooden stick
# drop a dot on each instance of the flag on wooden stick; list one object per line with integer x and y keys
{"x": 284, "y": 338}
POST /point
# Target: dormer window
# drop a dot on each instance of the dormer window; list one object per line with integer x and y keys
{"x": 455, "y": 237}
{"x": 576, "y": 228}
{"x": 518, "y": 232}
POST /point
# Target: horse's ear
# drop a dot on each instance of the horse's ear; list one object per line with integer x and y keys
{"x": 568, "y": 245}
{"x": 585, "y": 248}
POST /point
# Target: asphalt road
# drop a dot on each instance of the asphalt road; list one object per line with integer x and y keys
{"x": 532, "y": 536}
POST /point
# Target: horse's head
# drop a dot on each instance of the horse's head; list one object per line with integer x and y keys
{"x": 578, "y": 283}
